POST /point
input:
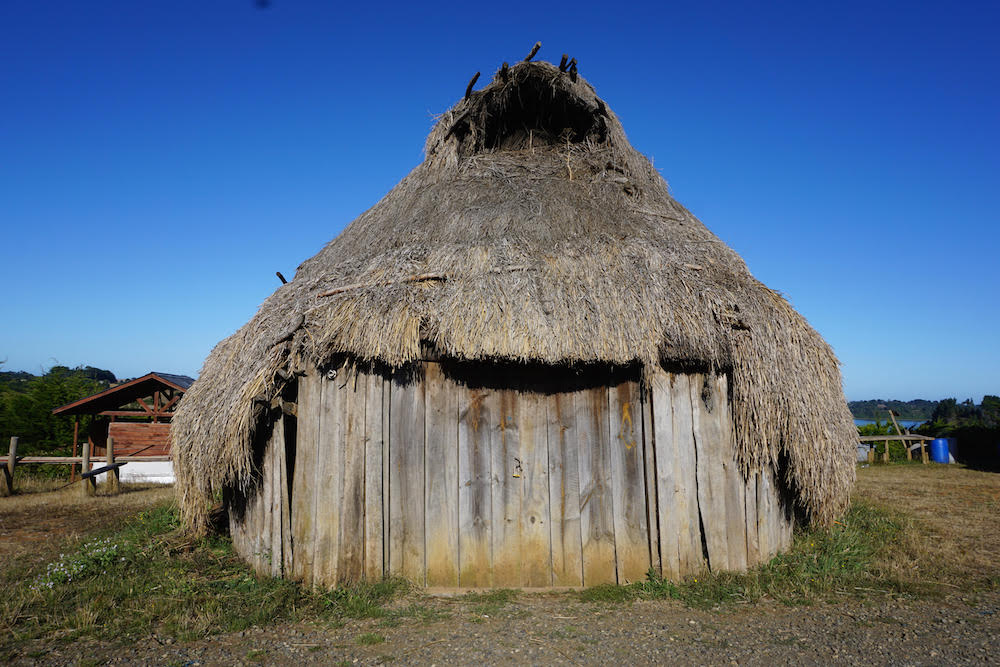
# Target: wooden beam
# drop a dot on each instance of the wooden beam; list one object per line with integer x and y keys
{"x": 72, "y": 460}
{"x": 134, "y": 413}
{"x": 89, "y": 476}
{"x": 114, "y": 479}
{"x": 89, "y": 486}
{"x": 171, "y": 400}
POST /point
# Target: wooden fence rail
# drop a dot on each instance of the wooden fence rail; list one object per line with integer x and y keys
{"x": 88, "y": 475}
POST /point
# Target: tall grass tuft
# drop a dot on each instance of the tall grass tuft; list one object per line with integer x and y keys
{"x": 147, "y": 578}
{"x": 823, "y": 563}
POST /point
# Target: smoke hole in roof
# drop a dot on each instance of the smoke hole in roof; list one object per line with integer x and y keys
{"x": 530, "y": 111}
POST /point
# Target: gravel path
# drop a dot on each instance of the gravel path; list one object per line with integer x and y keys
{"x": 557, "y": 629}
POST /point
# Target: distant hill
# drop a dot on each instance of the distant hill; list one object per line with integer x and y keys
{"x": 878, "y": 409}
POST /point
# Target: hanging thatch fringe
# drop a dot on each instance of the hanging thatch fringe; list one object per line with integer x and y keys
{"x": 614, "y": 271}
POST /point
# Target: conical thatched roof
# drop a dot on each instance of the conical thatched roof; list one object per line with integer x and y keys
{"x": 533, "y": 231}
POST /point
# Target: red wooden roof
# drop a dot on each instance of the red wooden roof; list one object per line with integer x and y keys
{"x": 125, "y": 393}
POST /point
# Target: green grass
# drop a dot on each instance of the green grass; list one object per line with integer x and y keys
{"x": 370, "y": 638}
{"x": 147, "y": 578}
{"x": 844, "y": 560}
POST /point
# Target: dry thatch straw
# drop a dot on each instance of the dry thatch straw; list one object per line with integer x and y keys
{"x": 532, "y": 232}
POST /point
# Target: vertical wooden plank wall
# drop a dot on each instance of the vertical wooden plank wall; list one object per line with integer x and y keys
{"x": 304, "y": 475}
{"x": 596, "y": 512}
{"x": 351, "y": 542}
{"x": 691, "y": 556}
{"x": 476, "y": 411}
{"x": 454, "y": 486}
{"x": 272, "y": 472}
{"x": 671, "y": 516}
{"x": 564, "y": 492}
{"x": 628, "y": 481}
{"x": 735, "y": 485}
{"x": 536, "y": 549}
{"x": 261, "y": 536}
{"x": 329, "y": 476}
{"x": 505, "y": 454}
{"x": 441, "y": 478}
{"x": 710, "y": 452}
{"x": 374, "y": 499}
{"x": 406, "y": 478}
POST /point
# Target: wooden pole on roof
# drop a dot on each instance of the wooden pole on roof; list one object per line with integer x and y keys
{"x": 7, "y": 479}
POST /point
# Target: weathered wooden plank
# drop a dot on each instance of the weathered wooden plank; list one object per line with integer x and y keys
{"x": 329, "y": 478}
{"x": 287, "y": 555}
{"x": 536, "y": 551}
{"x": 765, "y": 515}
{"x": 252, "y": 532}
{"x": 628, "y": 482}
{"x": 255, "y": 531}
{"x": 649, "y": 466}
{"x": 671, "y": 513}
{"x": 373, "y": 510}
{"x": 351, "y": 542}
{"x": 735, "y": 486}
{"x": 596, "y": 520}
{"x": 406, "y": 478}
{"x": 276, "y": 451}
{"x": 386, "y": 470}
{"x": 690, "y": 545}
{"x": 750, "y": 507}
{"x": 505, "y": 453}
{"x": 477, "y": 409}
{"x": 710, "y": 473}
{"x": 304, "y": 475}
{"x": 441, "y": 470}
{"x": 564, "y": 492}
{"x": 266, "y": 501}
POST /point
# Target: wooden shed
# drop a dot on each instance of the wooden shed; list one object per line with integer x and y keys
{"x": 528, "y": 366}
{"x": 136, "y": 414}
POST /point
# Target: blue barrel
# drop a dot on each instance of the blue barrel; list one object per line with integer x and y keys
{"x": 939, "y": 450}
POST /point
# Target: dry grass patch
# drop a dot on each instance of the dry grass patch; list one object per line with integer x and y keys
{"x": 951, "y": 537}
{"x": 38, "y": 521}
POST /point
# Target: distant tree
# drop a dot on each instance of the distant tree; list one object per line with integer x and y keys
{"x": 990, "y": 410}
{"x": 946, "y": 411}
{"x": 26, "y": 409}
{"x": 99, "y": 374}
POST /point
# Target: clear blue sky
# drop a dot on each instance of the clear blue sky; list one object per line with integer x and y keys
{"x": 159, "y": 161}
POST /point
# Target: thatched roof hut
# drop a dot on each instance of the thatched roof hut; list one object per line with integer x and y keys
{"x": 532, "y": 276}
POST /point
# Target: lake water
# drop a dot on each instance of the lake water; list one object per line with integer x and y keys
{"x": 903, "y": 423}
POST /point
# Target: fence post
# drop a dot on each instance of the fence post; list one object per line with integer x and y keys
{"x": 7, "y": 488}
{"x": 923, "y": 451}
{"x": 114, "y": 481}
{"x": 885, "y": 455}
{"x": 89, "y": 483}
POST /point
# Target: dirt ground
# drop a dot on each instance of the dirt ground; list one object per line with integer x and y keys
{"x": 955, "y": 542}
{"x": 33, "y": 526}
